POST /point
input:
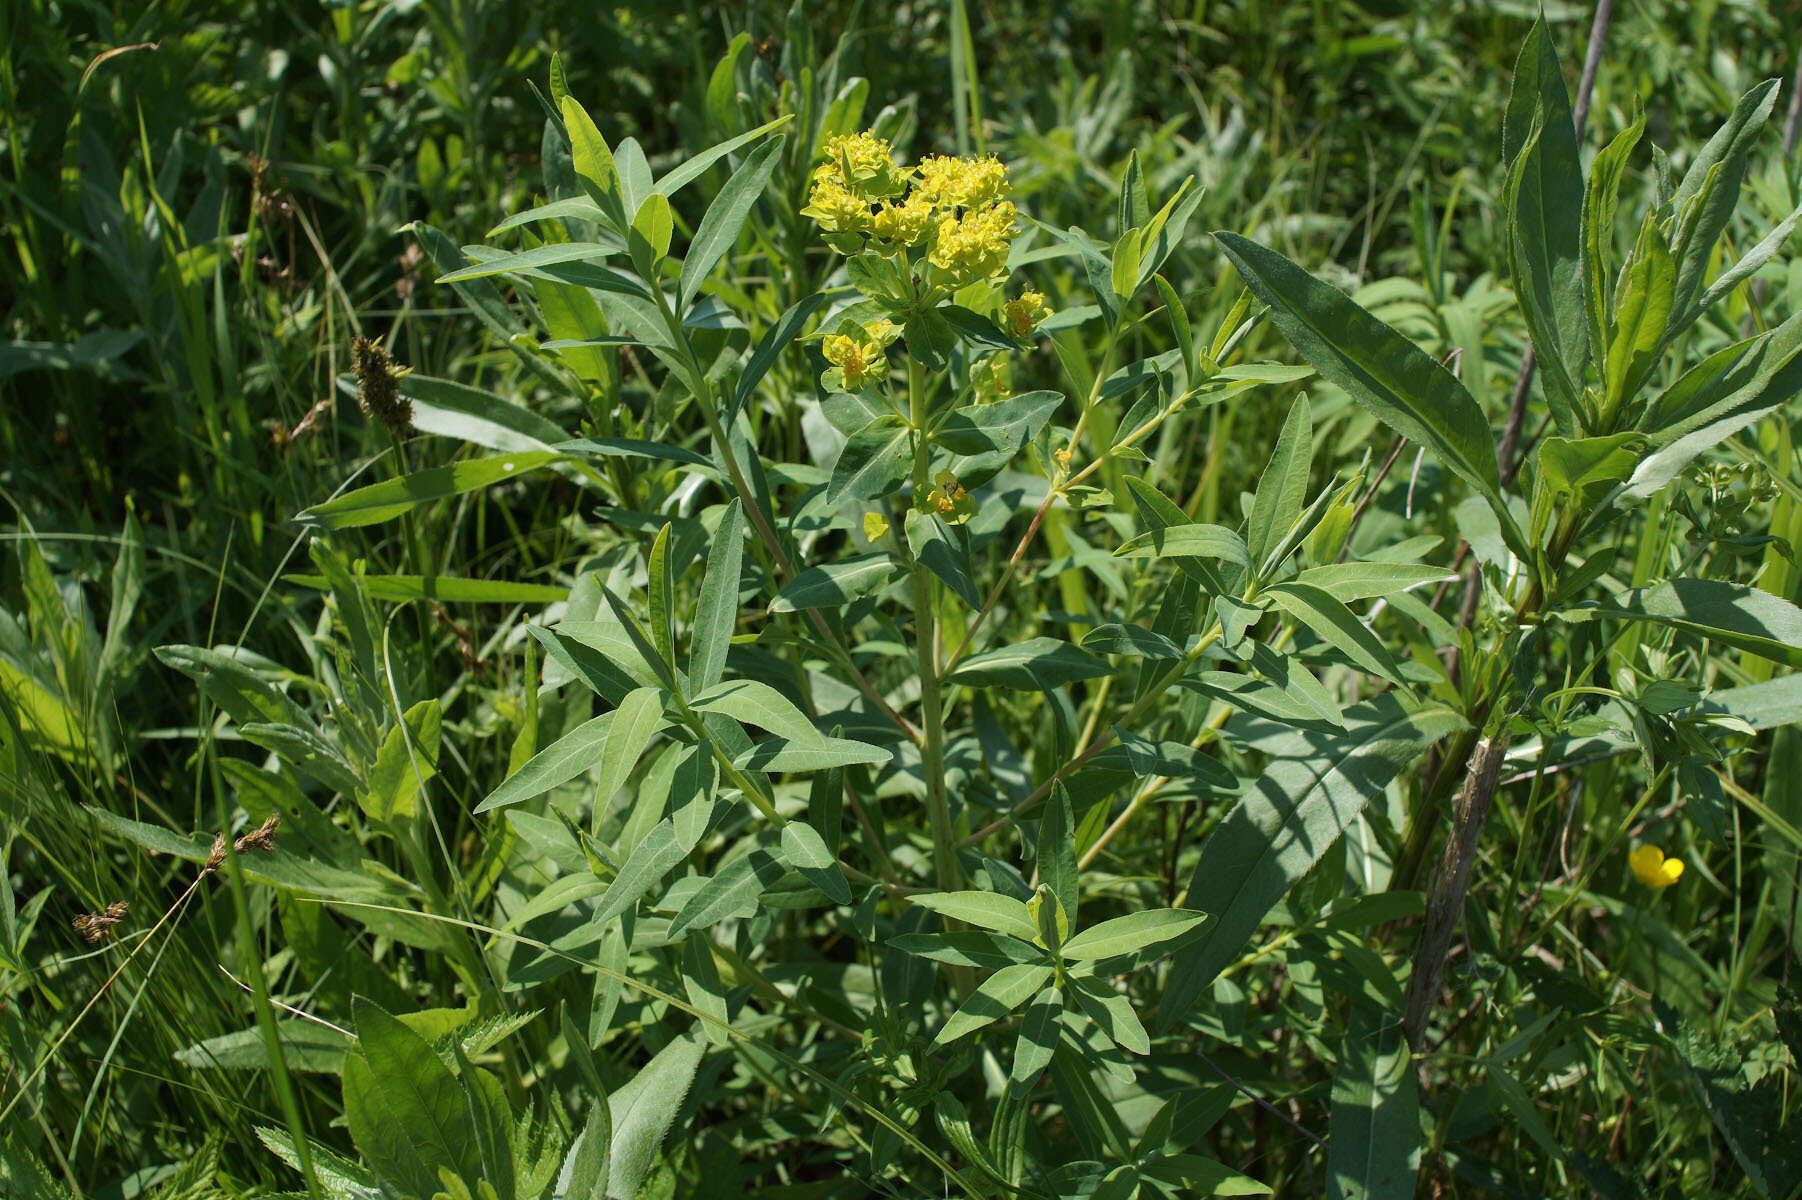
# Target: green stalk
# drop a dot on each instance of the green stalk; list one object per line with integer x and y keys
{"x": 926, "y": 648}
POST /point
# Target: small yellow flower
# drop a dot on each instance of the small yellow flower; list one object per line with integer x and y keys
{"x": 949, "y": 499}
{"x": 961, "y": 182}
{"x": 1653, "y": 869}
{"x": 905, "y": 223}
{"x": 875, "y": 527}
{"x": 861, "y": 163}
{"x": 857, "y": 356}
{"x": 975, "y": 245}
{"x": 1023, "y": 315}
{"x": 1062, "y": 455}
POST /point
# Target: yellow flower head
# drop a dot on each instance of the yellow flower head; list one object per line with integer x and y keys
{"x": 961, "y": 182}
{"x": 1653, "y": 869}
{"x": 975, "y": 245}
{"x": 905, "y": 223}
{"x": 856, "y": 357}
{"x": 1020, "y": 317}
{"x": 860, "y": 163}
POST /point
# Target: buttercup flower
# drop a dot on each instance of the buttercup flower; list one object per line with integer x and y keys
{"x": 1653, "y": 869}
{"x": 1022, "y": 316}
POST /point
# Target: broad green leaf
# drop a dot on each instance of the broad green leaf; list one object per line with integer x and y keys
{"x": 1337, "y": 625}
{"x": 724, "y": 218}
{"x": 635, "y": 722}
{"x": 1384, "y": 372}
{"x": 1188, "y": 541}
{"x": 1746, "y": 618}
{"x": 732, "y": 892}
{"x": 1038, "y": 1036}
{"x": 1056, "y": 860}
{"x": 561, "y": 761}
{"x": 1112, "y": 1013}
{"x": 1006, "y": 425}
{"x": 647, "y": 863}
{"x": 1543, "y": 205}
{"x": 832, "y": 584}
{"x": 306, "y": 1046}
{"x": 1642, "y": 309}
{"x": 693, "y": 168}
{"x": 968, "y": 948}
{"x": 996, "y": 997}
{"x": 1712, "y": 186}
{"x": 932, "y": 543}
{"x": 589, "y": 1157}
{"x": 1587, "y": 466}
{"x": 409, "y": 1112}
{"x": 1719, "y": 396}
{"x": 407, "y": 760}
{"x": 594, "y": 163}
{"x": 754, "y": 703}
{"x": 717, "y": 611}
{"x": 1308, "y": 794}
{"x": 1600, "y": 198}
{"x": 382, "y": 501}
{"x": 1035, "y": 664}
{"x": 989, "y": 910}
{"x": 1350, "y": 581}
{"x": 874, "y": 461}
{"x": 806, "y": 852}
{"x": 1282, "y": 486}
{"x": 643, "y": 1110}
{"x": 1131, "y": 934}
{"x": 1374, "y": 1151}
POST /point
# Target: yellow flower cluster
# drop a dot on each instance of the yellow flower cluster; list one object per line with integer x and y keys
{"x": 1020, "y": 317}
{"x": 956, "y": 207}
{"x": 975, "y": 245}
{"x": 856, "y": 357}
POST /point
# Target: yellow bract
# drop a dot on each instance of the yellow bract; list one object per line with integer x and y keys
{"x": 1653, "y": 869}
{"x": 875, "y": 527}
{"x": 1023, "y": 315}
{"x": 975, "y": 245}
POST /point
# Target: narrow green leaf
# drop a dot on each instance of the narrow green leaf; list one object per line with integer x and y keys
{"x": 1188, "y": 541}
{"x": 833, "y": 584}
{"x": 1746, "y": 618}
{"x": 754, "y": 703}
{"x": 1035, "y": 664}
{"x": 594, "y": 163}
{"x": 1336, "y": 625}
{"x": 724, "y": 218}
{"x": 560, "y": 762}
{"x": 1282, "y": 487}
{"x": 643, "y": 1110}
{"x": 1038, "y": 1036}
{"x": 1374, "y": 1151}
{"x": 807, "y": 853}
{"x": 989, "y": 910}
{"x": 996, "y": 997}
{"x": 717, "y": 611}
{"x": 1131, "y": 934}
{"x": 407, "y": 760}
{"x": 382, "y": 501}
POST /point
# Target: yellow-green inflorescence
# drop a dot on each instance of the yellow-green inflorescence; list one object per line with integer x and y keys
{"x": 951, "y": 214}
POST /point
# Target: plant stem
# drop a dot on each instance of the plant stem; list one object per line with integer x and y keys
{"x": 926, "y": 649}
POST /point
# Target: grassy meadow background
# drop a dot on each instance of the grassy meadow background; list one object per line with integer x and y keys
{"x": 204, "y": 206}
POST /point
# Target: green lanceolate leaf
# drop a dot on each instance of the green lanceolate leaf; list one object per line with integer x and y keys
{"x": 1642, "y": 309}
{"x": 594, "y": 163}
{"x": 1600, "y": 198}
{"x": 590, "y": 1156}
{"x": 1544, "y": 207}
{"x": 643, "y": 1110}
{"x": 759, "y": 704}
{"x": 725, "y": 217}
{"x": 831, "y": 585}
{"x": 1112, "y": 1013}
{"x": 968, "y": 948}
{"x": 407, "y": 1115}
{"x": 1131, "y": 934}
{"x": 807, "y": 853}
{"x": 407, "y": 760}
{"x": 383, "y": 501}
{"x": 1336, "y": 625}
{"x": 1374, "y": 1151}
{"x": 1351, "y": 581}
{"x": 874, "y": 461}
{"x": 990, "y": 910}
{"x": 733, "y": 892}
{"x": 717, "y": 611}
{"x": 1283, "y": 486}
{"x": 1746, "y": 618}
{"x": 1381, "y": 370}
{"x": 1038, "y": 1035}
{"x": 564, "y": 759}
{"x": 1057, "y": 850}
{"x": 1036, "y": 663}
{"x": 1213, "y": 542}
{"x": 1311, "y": 791}
{"x": 1005, "y": 426}
{"x": 932, "y": 543}
{"x": 999, "y": 995}
{"x": 635, "y": 722}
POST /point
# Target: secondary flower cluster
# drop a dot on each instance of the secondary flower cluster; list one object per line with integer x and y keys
{"x": 856, "y": 355}
{"x": 954, "y": 208}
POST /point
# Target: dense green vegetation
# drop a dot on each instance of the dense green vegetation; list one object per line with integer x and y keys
{"x": 597, "y": 601}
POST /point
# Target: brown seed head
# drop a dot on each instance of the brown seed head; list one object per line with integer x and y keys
{"x": 378, "y": 386}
